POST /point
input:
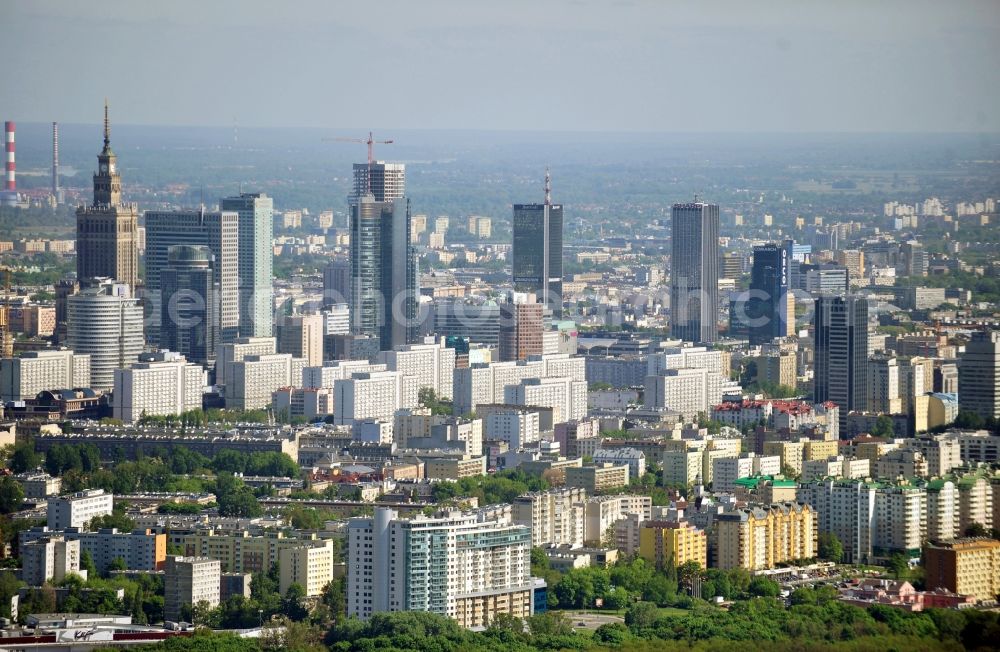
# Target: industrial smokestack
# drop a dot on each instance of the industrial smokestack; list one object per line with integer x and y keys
{"x": 55, "y": 160}
{"x": 11, "y": 185}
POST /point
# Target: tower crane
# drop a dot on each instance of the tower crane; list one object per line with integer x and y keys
{"x": 370, "y": 141}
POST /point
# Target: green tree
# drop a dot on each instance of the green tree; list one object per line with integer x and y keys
{"x": 24, "y": 458}
{"x": 898, "y": 565}
{"x": 830, "y": 548}
{"x": 883, "y": 426}
{"x": 87, "y": 564}
{"x": 764, "y": 587}
{"x": 641, "y": 615}
{"x": 11, "y": 495}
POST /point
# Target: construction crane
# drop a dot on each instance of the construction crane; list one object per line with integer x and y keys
{"x": 370, "y": 141}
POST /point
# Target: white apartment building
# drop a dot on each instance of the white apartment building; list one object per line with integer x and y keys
{"x": 255, "y": 378}
{"x": 78, "y": 509}
{"x": 310, "y": 403}
{"x": 311, "y": 567}
{"x": 334, "y": 370}
{"x": 695, "y": 357}
{"x": 727, "y": 470}
{"x": 567, "y": 398}
{"x": 50, "y": 558}
{"x": 554, "y": 517}
{"x": 847, "y": 509}
{"x": 468, "y": 567}
{"x": 485, "y": 382}
{"x": 229, "y": 353}
{"x": 22, "y": 378}
{"x": 942, "y": 452}
{"x": 900, "y": 519}
{"x": 837, "y": 466}
{"x": 140, "y": 549}
{"x": 160, "y": 384}
{"x": 188, "y": 581}
{"x": 901, "y": 463}
{"x": 681, "y": 467}
{"x": 633, "y": 458}
{"x": 883, "y": 385}
{"x": 516, "y": 427}
{"x": 942, "y": 510}
{"x": 372, "y": 395}
{"x": 603, "y": 512}
{"x": 682, "y": 390}
{"x": 431, "y": 364}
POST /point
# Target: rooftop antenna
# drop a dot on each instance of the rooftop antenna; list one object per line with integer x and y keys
{"x": 548, "y": 187}
{"x": 107, "y": 125}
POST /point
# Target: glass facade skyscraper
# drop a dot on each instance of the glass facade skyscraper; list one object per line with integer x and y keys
{"x": 383, "y": 271}
{"x": 256, "y": 262}
{"x": 840, "y": 340}
{"x": 537, "y": 261}
{"x": 694, "y": 272}
{"x": 768, "y": 296}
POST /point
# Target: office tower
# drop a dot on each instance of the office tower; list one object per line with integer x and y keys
{"x": 840, "y": 336}
{"x": 521, "y": 325}
{"x": 217, "y": 230}
{"x": 694, "y": 272}
{"x": 57, "y": 194}
{"x": 107, "y": 230}
{"x": 105, "y": 322}
{"x": 832, "y": 279}
{"x": 188, "y": 581}
{"x": 771, "y": 309}
{"x": 160, "y": 384}
{"x": 64, "y": 288}
{"x": 979, "y": 375}
{"x": 468, "y": 567}
{"x": 302, "y": 337}
{"x": 386, "y": 182}
{"x": 256, "y": 262}
{"x": 479, "y": 323}
{"x": 383, "y": 271}
{"x": 537, "y": 257}
{"x": 189, "y": 305}
{"x": 22, "y": 378}
{"x": 337, "y": 282}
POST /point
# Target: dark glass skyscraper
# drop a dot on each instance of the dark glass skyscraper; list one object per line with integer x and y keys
{"x": 768, "y": 297}
{"x": 694, "y": 272}
{"x": 840, "y": 339}
{"x": 189, "y": 305}
{"x": 383, "y": 271}
{"x": 537, "y": 257}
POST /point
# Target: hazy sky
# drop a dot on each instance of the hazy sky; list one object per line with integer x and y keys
{"x": 646, "y": 65}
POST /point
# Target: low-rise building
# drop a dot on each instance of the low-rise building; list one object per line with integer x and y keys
{"x": 597, "y": 478}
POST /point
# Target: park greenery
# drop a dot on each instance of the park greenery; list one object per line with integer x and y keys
{"x": 813, "y": 621}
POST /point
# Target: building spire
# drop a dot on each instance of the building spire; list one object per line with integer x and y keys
{"x": 107, "y": 126}
{"x": 548, "y": 187}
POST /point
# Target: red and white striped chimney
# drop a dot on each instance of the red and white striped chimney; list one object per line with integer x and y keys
{"x": 9, "y": 132}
